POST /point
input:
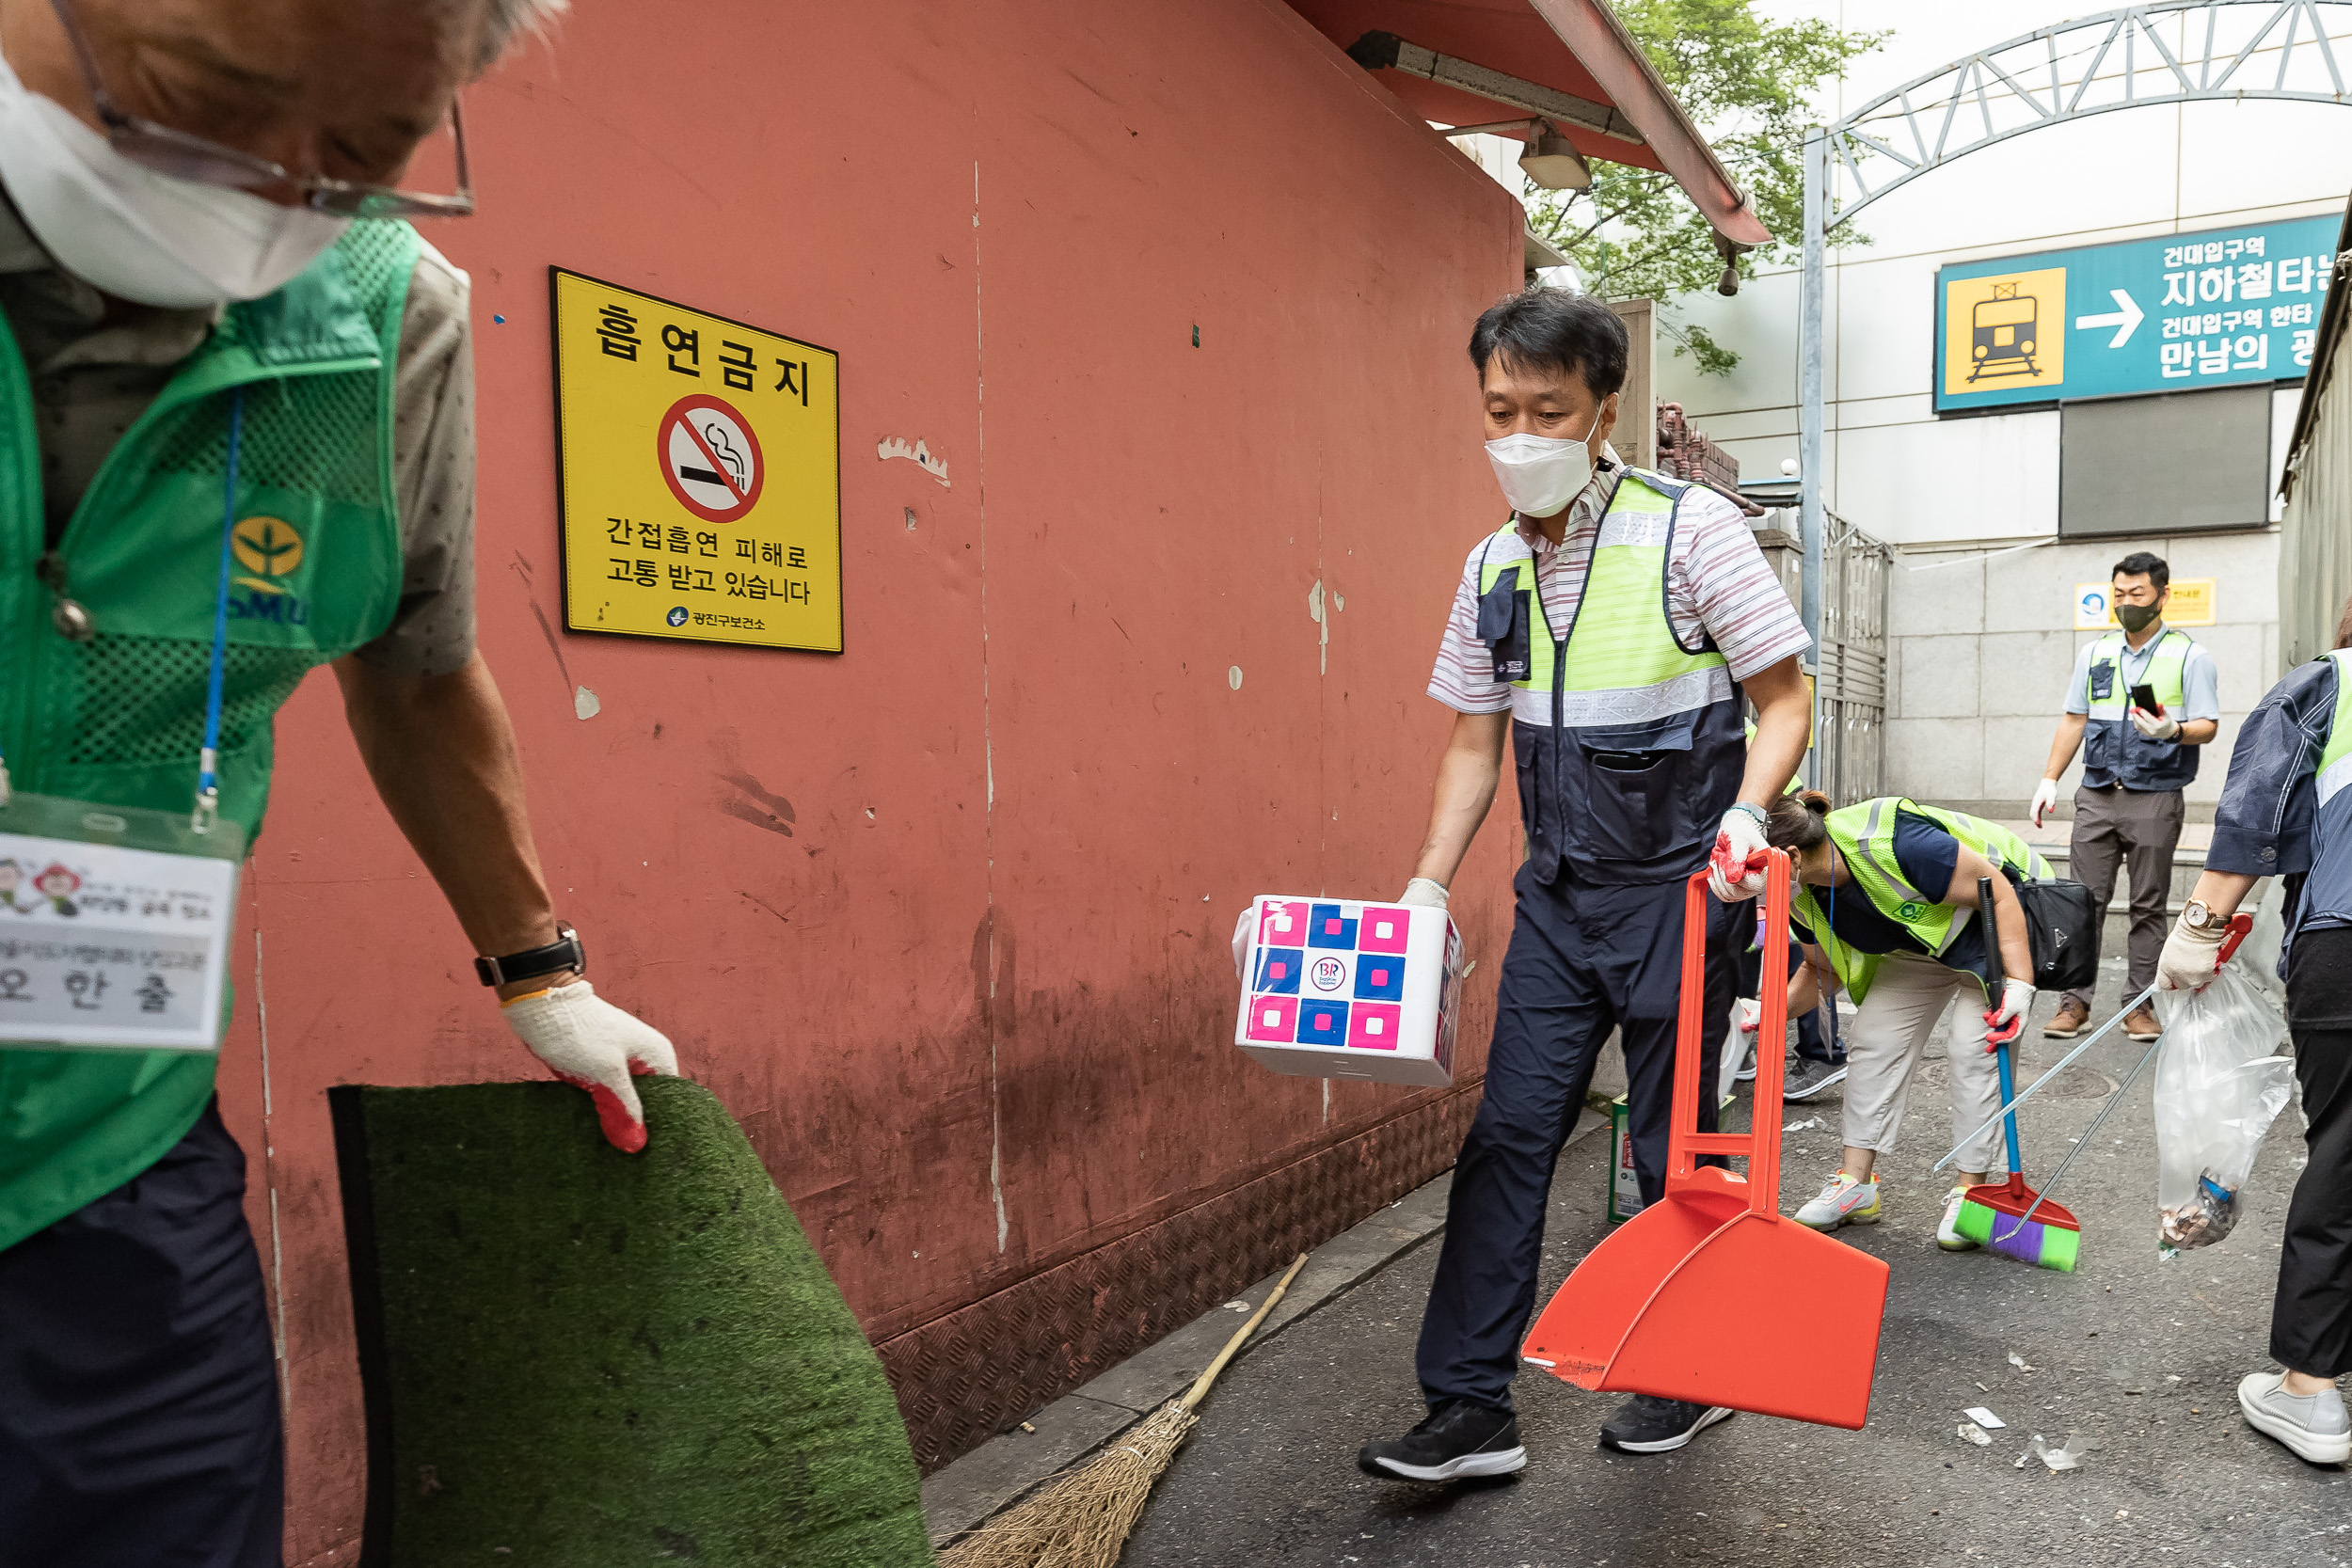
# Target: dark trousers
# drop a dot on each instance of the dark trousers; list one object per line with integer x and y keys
{"x": 2310, "y": 1320}
{"x": 1583, "y": 959}
{"x": 1811, "y": 1041}
{"x": 2136, "y": 831}
{"x": 138, "y": 1389}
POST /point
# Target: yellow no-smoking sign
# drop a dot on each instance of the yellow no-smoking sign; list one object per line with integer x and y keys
{"x": 701, "y": 472}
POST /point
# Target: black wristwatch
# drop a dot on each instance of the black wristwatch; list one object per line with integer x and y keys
{"x": 564, "y": 953}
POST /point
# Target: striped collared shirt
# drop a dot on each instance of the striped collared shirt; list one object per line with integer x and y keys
{"x": 1717, "y": 583}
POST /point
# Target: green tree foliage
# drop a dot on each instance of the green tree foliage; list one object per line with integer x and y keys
{"x": 1746, "y": 82}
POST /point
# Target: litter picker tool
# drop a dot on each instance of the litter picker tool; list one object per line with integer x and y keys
{"x": 2000, "y": 1214}
{"x": 2239, "y": 926}
{"x": 1699, "y": 1296}
{"x": 2063, "y": 1063}
{"x": 1083, "y": 1520}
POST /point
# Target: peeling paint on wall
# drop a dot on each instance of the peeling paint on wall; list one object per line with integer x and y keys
{"x": 1314, "y": 613}
{"x": 1233, "y": 677}
{"x": 584, "y": 703}
{"x": 917, "y": 453}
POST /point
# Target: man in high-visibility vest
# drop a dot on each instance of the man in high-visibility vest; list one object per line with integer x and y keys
{"x": 1609, "y": 631}
{"x": 237, "y": 392}
{"x": 2135, "y": 762}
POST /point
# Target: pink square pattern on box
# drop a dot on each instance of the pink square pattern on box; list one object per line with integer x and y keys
{"x": 1373, "y": 1026}
{"x": 1382, "y": 930}
{"x": 1282, "y": 926}
{"x": 1274, "y": 1019}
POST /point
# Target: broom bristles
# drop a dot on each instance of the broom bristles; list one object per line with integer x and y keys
{"x": 1083, "y": 1519}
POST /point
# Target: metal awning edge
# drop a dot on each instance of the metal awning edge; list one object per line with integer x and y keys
{"x": 2330, "y": 334}
{"x": 1600, "y": 43}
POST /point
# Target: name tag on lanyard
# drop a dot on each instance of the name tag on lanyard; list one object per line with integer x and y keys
{"x": 114, "y": 926}
{"x": 115, "y": 921}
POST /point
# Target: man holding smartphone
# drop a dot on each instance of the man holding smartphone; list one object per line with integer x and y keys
{"x": 2139, "y": 704}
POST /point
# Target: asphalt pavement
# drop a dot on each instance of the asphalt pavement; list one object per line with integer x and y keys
{"x": 2137, "y": 1356}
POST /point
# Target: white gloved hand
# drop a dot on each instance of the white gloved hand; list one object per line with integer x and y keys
{"x": 2004, "y": 1023}
{"x": 594, "y": 1046}
{"x": 1241, "y": 941}
{"x": 2045, "y": 799}
{"x": 1736, "y": 870}
{"x": 1751, "y": 1014}
{"x": 2192, "y": 957}
{"x": 2152, "y": 728}
{"x": 1424, "y": 892}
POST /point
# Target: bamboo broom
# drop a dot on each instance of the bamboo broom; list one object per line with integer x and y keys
{"x": 1083, "y": 1519}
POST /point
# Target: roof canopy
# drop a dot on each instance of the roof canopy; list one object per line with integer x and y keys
{"x": 1591, "y": 80}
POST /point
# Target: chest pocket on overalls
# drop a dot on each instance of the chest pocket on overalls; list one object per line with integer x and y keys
{"x": 2103, "y": 680}
{"x": 1502, "y": 625}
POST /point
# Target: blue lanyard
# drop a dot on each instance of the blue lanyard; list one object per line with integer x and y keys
{"x": 208, "y": 762}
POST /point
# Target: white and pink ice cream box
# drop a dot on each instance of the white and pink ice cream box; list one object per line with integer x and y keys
{"x": 1338, "y": 990}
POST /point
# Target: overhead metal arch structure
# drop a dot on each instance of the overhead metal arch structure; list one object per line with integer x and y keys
{"x": 2138, "y": 56}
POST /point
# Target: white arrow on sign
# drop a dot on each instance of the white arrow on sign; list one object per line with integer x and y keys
{"x": 2126, "y": 316}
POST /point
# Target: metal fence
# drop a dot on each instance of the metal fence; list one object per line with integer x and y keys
{"x": 1850, "y": 680}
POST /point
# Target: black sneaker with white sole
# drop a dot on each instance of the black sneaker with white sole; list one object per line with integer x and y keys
{"x": 1746, "y": 1074}
{"x": 1810, "y": 1077}
{"x": 1458, "y": 1439}
{"x": 1644, "y": 1424}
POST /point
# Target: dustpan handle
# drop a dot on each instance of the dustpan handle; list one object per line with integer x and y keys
{"x": 1760, "y": 1145}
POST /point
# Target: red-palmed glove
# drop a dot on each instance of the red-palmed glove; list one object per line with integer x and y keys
{"x": 1736, "y": 870}
{"x": 593, "y": 1045}
{"x": 2004, "y": 1023}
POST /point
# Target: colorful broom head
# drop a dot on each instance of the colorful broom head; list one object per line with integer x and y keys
{"x": 1988, "y": 1217}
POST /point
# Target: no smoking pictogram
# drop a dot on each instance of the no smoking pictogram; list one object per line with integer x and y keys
{"x": 711, "y": 458}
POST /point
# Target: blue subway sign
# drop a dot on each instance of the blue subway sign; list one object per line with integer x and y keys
{"x": 2225, "y": 307}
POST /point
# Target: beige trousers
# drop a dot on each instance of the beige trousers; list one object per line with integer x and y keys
{"x": 1883, "y": 1045}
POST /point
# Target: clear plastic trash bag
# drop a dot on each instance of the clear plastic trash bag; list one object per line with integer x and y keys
{"x": 2220, "y": 1083}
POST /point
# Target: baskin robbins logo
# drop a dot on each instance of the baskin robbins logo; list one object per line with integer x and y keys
{"x": 270, "y": 551}
{"x": 1328, "y": 973}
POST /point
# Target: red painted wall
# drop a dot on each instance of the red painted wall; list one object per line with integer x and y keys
{"x": 970, "y": 992}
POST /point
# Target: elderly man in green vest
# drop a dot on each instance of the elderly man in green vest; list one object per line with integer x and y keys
{"x": 237, "y": 389}
{"x": 2136, "y": 759}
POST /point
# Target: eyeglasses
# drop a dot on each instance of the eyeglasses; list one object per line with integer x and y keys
{"x": 184, "y": 156}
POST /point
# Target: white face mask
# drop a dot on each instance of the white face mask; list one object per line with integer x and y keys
{"x": 1540, "y": 474}
{"x": 138, "y": 234}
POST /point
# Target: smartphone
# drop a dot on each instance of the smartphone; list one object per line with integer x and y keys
{"x": 2144, "y": 698}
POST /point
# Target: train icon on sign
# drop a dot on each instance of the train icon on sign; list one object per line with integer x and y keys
{"x": 2001, "y": 334}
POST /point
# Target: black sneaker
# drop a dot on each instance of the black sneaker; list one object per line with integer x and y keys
{"x": 1808, "y": 1077}
{"x": 1457, "y": 1439}
{"x": 1747, "y": 1067}
{"x": 1644, "y": 1424}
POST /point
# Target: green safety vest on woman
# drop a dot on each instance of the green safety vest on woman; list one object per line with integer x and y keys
{"x": 1864, "y": 836}
{"x": 1628, "y": 744}
{"x": 119, "y": 718}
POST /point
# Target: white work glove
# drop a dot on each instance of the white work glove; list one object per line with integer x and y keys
{"x": 1241, "y": 941}
{"x": 2044, "y": 801}
{"x": 1736, "y": 870}
{"x": 2152, "y": 728}
{"x": 1424, "y": 892}
{"x": 2192, "y": 957}
{"x": 1751, "y": 1014}
{"x": 592, "y": 1045}
{"x": 2004, "y": 1023}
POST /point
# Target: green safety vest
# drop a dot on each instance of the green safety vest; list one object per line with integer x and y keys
{"x": 1628, "y": 744}
{"x": 120, "y": 718}
{"x": 2113, "y": 752}
{"x": 1864, "y": 835}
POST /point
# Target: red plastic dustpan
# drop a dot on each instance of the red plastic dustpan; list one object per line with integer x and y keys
{"x": 1710, "y": 1294}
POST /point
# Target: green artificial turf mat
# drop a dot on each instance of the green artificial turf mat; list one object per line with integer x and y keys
{"x": 586, "y": 1357}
